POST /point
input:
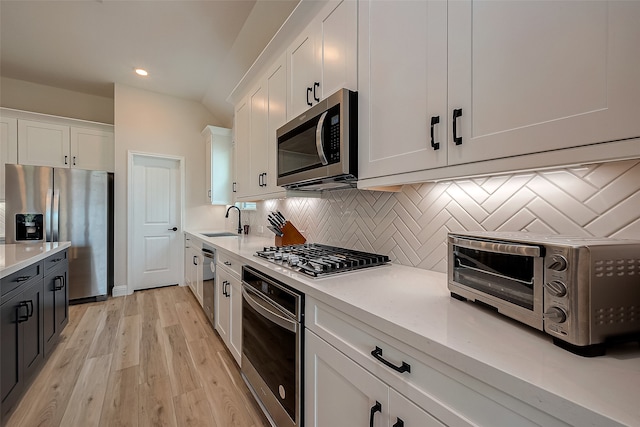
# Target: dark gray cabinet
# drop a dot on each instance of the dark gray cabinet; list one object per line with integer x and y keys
{"x": 56, "y": 299}
{"x": 34, "y": 308}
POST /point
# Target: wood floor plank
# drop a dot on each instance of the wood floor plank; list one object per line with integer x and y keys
{"x": 182, "y": 371}
{"x": 120, "y": 408}
{"x": 155, "y": 404}
{"x": 107, "y": 333}
{"x": 85, "y": 405}
{"x": 148, "y": 305}
{"x": 192, "y": 410}
{"x": 131, "y": 307}
{"x": 127, "y": 351}
{"x": 153, "y": 361}
{"x": 192, "y": 324}
{"x": 166, "y": 307}
{"x": 87, "y": 327}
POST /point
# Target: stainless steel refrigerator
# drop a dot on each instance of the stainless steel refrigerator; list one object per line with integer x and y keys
{"x": 56, "y": 204}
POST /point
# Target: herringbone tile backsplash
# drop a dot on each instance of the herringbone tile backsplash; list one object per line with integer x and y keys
{"x": 411, "y": 226}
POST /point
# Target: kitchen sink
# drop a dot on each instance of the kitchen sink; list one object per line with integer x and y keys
{"x": 220, "y": 234}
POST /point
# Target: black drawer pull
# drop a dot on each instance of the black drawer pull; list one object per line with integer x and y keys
{"x": 60, "y": 280}
{"x": 377, "y": 353}
{"x": 399, "y": 423}
{"x": 308, "y": 92}
{"x": 227, "y": 263}
{"x": 434, "y": 121}
{"x": 375, "y": 408}
{"x": 22, "y": 278}
{"x": 315, "y": 95}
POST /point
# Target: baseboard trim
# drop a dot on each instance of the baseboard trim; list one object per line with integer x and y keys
{"x": 120, "y": 291}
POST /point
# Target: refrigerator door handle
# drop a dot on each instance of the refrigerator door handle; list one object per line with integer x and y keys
{"x": 47, "y": 216}
{"x": 55, "y": 216}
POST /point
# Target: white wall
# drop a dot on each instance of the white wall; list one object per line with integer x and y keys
{"x": 27, "y": 96}
{"x": 159, "y": 124}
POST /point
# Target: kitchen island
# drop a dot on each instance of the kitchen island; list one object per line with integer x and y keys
{"x": 504, "y": 362}
{"x": 34, "y": 309}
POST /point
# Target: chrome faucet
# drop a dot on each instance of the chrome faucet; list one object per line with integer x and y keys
{"x": 239, "y": 223}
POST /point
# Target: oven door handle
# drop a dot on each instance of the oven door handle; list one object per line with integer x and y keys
{"x": 508, "y": 248}
{"x": 272, "y": 316}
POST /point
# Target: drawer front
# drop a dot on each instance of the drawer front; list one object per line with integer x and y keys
{"x": 231, "y": 263}
{"x": 55, "y": 260}
{"x": 18, "y": 278}
{"x": 450, "y": 395}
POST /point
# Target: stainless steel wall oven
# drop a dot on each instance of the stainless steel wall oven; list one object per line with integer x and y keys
{"x": 272, "y": 346}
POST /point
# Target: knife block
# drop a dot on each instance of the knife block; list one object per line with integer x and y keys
{"x": 291, "y": 236}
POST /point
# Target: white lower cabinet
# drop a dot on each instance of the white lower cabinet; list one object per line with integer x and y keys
{"x": 339, "y": 392}
{"x": 349, "y": 366}
{"x": 228, "y": 303}
{"x": 193, "y": 260}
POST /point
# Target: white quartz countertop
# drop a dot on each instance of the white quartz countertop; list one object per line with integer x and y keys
{"x": 15, "y": 257}
{"x": 414, "y": 306}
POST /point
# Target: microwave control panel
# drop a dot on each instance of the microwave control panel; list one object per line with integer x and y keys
{"x": 333, "y": 143}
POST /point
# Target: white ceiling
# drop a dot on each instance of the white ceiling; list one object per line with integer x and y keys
{"x": 197, "y": 50}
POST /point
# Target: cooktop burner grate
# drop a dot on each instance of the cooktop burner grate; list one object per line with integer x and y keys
{"x": 318, "y": 260}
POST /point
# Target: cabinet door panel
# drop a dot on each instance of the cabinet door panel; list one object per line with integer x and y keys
{"x": 534, "y": 76}
{"x": 32, "y": 332}
{"x": 10, "y": 360}
{"x": 235, "y": 321}
{"x": 8, "y": 147}
{"x": 92, "y": 149}
{"x": 303, "y": 72}
{"x": 277, "y": 105}
{"x": 43, "y": 144}
{"x": 402, "y": 84}
{"x": 338, "y": 392}
{"x": 242, "y": 144}
{"x": 340, "y": 48}
{"x": 222, "y": 303}
{"x": 258, "y": 139}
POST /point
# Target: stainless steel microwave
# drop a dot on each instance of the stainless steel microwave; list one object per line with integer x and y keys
{"x": 318, "y": 150}
{"x": 583, "y": 291}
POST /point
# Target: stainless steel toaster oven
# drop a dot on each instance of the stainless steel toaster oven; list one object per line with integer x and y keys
{"x": 582, "y": 291}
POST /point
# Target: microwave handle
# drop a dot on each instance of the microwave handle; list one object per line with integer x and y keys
{"x": 508, "y": 248}
{"x": 319, "y": 143}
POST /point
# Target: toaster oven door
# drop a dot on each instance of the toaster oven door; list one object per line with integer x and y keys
{"x": 504, "y": 275}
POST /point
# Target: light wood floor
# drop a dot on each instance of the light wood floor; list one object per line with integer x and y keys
{"x": 147, "y": 359}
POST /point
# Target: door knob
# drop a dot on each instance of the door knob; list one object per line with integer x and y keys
{"x": 173, "y": 229}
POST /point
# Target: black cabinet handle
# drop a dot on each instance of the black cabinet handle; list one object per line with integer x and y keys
{"x": 308, "y": 92}
{"x": 66, "y": 158}
{"x": 74, "y": 160}
{"x": 22, "y": 278}
{"x": 30, "y": 308}
{"x": 434, "y": 121}
{"x": 195, "y": 260}
{"x": 227, "y": 263}
{"x": 60, "y": 280}
{"x": 22, "y": 318}
{"x": 399, "y": 423}
{"x": 375, "y": 408}
{"x": 234, "y": 188}
{"x": 56, "y": 260}
{"x": 315, "y": 86}
{"x": 224, "y": 289}
{"x": 377, "y": 353}
{"x": 456, "y": 113}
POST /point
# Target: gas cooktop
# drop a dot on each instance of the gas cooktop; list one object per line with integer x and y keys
{"x": 318, "y": 260}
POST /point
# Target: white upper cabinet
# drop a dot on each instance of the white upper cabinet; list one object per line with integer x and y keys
{"x": 58, "y": 142}
{"x": 241, "y": 148}
{"x": 258, "y": 139}
{"x": 541, "y": 75}
{"x": 218, "y": 165}
{"x": 323, "y": 58}
{"x": 43, "y": 144}
{"x": 92, "y": 149}
{"x": 513, "y": 85}
{"x": 8, "y": 147}
{"x": 276, "y": 84}
{"x": 403, "y": 74}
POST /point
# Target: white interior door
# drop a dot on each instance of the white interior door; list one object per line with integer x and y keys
{"x": 154, "y": 227}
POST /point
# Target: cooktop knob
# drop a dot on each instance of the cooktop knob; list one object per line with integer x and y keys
{"x": 556, "y": 288}
{"x": 558, "y": 263}
{"x": 556, "y": 315}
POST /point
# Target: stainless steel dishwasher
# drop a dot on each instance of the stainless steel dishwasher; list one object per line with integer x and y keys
{"x": 208, "y": 281}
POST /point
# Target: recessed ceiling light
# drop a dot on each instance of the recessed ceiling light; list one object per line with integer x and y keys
{"x": 141, "y": 72}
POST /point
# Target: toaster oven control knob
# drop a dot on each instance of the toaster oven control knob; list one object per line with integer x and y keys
{"x": 556, "y": 288}
{"x": 555, "y": 315}
{"x": 558, "y": 263}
